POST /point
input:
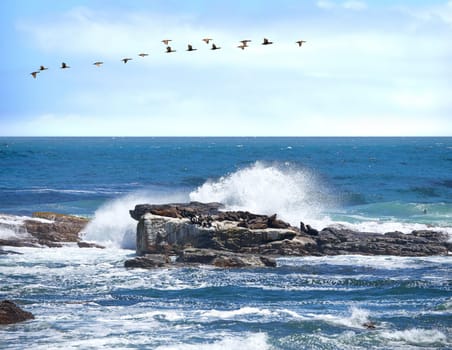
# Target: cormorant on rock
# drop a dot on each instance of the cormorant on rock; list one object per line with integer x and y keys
{"x": 267, "y": 42}
{"x": 215, "y": 47}
{"x": 191, "y": 48}
{"x": 166, "y": 41}
{"x": 169, "y": 49}
{"x": 98, "y": 63}
{"x": 142, "y": 54}
{"x": 125, "y": 60}
{"x": 64, "y": 65}
{"x": 300, "y": 42}
{"x": 207, "y": 40}
{"x": 33, "y": 74}
{"x": 43, "y": 68}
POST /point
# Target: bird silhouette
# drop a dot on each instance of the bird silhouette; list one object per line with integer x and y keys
{"x": 169, "y": 49}
{"x": 267, "y": 42}
{"x": 125, "y": 60}
{"x": 143, "y": 54}
{"x": 166, "y": 41}
{"x": 43, "y": 68}
{"x": 191, "y": 48}
{"x": 33, "y": 74}
{"x": 207, "y": 40}
{"x": 242, "y": 46}
{"x": 300, "y": 42}
{"x": 64, "y": 65}
{"x": 245, "y": 42}
{"x": 98, "y": 63}
{"x": 215, "y": 47}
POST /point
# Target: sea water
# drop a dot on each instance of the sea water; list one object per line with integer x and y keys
{"x": 86, "y": 299}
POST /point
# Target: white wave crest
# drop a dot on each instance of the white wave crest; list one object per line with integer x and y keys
{"x": 417, "y": 336}
{"x": 258, "y": 341}
{"x": 357, "y": 318}
{"x": 294, "y": 194}
{"x": 112, "y": 224}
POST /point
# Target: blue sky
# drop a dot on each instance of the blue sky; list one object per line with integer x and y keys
{"x": 369, "y": 68}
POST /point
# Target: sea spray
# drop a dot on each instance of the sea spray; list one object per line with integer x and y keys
{"x": 293, "y": 193}
{"x": 112, "y": 224}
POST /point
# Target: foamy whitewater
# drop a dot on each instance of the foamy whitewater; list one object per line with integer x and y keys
{"x": 86, "y": 299}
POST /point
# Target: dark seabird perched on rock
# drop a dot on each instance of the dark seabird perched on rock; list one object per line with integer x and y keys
{"x": 98, "y": 63}
{"x": 215, "y": 47}
{"x": 267, "y": 42}
{"x": 142, "y": 54}
{"x": 207, "y": 40}
{"x": 169, "y": 49}
{"x": 166, "y": 41}
{"x": 64, "y": 65}
{"x": 300, "y": 42}
{"x": 33, "y": 74}
{"x": 125, "y": 60}
{"x": 191, "y": 48}
{"x": 43, "y": 68}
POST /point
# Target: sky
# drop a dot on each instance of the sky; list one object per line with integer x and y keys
{"x": 368, "y": 68}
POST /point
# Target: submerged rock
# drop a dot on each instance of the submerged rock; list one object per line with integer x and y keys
{"x": 11, "y": 313}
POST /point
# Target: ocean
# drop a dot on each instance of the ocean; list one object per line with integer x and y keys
{"x": 86, "y": 299}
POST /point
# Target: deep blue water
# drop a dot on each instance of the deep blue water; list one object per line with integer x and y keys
{"x": 85, "y": 299}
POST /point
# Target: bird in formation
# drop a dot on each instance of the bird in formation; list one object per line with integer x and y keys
{"x": 243, "y": 44}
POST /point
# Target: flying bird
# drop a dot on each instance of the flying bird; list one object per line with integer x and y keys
{"x": 267, "y": 42}
{"x": 215, "y": 47}
{"x": 242, "y": 46}
{"x": 245, "y": 42}
{"x": 43, "y": 68}
{"x": 169, "y": 49}
{"x": 98, "y": 63}
{"x": 64, "y": 65}
{"x": 143, "y": 54}
{"x": 166, "y": 41}
{"x": 207, "y": 40}
{"x": 125, "y": 60}
{"x": 33, "y": 74}
{"x": 300, "y": 42}
{"x": 191, "y": 48}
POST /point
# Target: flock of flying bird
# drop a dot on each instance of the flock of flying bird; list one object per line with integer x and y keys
{"x": 243, "y": 44}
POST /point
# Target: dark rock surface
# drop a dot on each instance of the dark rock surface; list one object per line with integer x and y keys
{"x": 201, "y": 233}
{"x": 11, "y": 313}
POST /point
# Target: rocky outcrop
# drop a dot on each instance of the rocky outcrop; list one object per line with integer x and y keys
{"x": 201, "y": 233}
{"x": 43, "y": 229}
{"x": 11, "y": 313}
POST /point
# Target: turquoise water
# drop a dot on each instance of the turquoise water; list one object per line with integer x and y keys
{"x": 85, "y": 299}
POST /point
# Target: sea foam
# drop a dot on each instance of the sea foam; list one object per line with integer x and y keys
{"x": 293, "y": 193}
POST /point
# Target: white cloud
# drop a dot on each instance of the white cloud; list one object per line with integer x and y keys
{"x": 354, "y": 5}
{"x": 326, "y": 4}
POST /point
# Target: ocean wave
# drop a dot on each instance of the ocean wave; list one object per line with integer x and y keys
{"x": 416, "y": 336}
{"x": 293, "y": 193}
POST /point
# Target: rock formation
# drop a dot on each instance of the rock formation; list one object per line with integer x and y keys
{"x": 201, "y": 233}
{"x": 11, "y": 313}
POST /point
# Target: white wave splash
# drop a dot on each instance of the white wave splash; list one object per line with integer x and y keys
{"x": 417, "y": 336}
{"x": 112, "y": 224}
{"x": 258, "y": 341}
{"x": 294, "y": 194}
